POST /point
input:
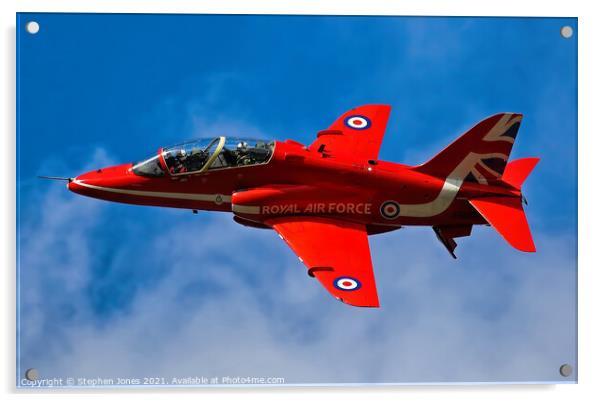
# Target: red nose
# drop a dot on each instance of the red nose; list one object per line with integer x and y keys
{"x": 99, "y": 183}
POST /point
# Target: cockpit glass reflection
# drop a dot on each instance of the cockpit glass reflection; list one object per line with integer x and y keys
{"x": 206, "y": 154}
{"x": 150, "y": 167}
{"x": 217, "y": 153}
{"x": 243, "y": 152}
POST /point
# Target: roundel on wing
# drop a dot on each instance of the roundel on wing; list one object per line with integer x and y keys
{"x": 358, "y": 122}
{"x": 347, "y": 283}
{"x": 389, "y": 209}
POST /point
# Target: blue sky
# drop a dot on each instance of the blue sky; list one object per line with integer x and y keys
{"x": 109, "y": 289}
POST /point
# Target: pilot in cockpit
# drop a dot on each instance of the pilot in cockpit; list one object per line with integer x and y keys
{"x": 242, "y": 151}
{"x": 233, "y": 157}
{"x": 180, "y": 165}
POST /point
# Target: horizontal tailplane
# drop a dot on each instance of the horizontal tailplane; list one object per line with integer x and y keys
{"x": 507, "y": 217}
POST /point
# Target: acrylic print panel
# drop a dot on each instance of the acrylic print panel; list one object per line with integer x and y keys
{"x": 112, "y": 293}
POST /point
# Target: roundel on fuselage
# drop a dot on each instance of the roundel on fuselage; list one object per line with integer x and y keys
{"x": 390, "y": 209}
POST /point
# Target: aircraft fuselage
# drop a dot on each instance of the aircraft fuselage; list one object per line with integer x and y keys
{"x": 299, "y": 181}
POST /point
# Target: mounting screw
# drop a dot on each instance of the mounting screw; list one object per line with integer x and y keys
{"x": 31, "y": 374}
{"x": 566, "y": 31}
{"x": 32, "y": 27}
{"x": 566, "y": 370}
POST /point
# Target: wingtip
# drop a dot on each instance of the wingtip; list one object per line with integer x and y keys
{"x": 373, "y": 304}
{"x": 527, "y": 248}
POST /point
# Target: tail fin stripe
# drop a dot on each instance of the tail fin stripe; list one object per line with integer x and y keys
{"x": 495, "y": 165}
{"x": 490, "y": 138}
{"x": 479, "y": 178}
{"x": 471, "y": 177}
{"x": 503, "y": 126}
{"x": 512, "y": 131}
{"x": 470, "y": 162}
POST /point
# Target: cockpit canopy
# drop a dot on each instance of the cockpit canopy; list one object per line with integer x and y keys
{"x": 206, "y": 154}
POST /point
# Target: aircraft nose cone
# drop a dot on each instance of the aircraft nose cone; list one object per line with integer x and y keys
{"x": 83, "y": 184}
{"x": 95, "y": 183}
{"x": 71, "y": 186}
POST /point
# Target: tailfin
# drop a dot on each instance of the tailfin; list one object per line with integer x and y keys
{"x": 479, "y": 155}
{"x": 506, "y": 215}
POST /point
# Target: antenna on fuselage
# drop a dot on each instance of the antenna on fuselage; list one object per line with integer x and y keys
{"x": 69, "y": 179}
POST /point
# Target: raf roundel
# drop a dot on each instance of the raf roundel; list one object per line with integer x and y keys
{"x": 347, "y": 283}
{"x": 358, "y": 122}
{"x": 390, "y": 209}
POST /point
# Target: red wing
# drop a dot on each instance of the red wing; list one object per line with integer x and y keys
{"x": 337, "y": 253}
{"x": 356, "y": 135}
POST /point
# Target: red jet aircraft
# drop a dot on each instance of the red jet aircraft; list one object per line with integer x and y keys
{"x": 324, "y": 200}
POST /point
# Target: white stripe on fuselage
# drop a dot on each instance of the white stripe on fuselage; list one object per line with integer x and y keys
{"x": 245, "y": 209}
{"x": 159, "y": 194}
{"x": 450, "y": 189}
